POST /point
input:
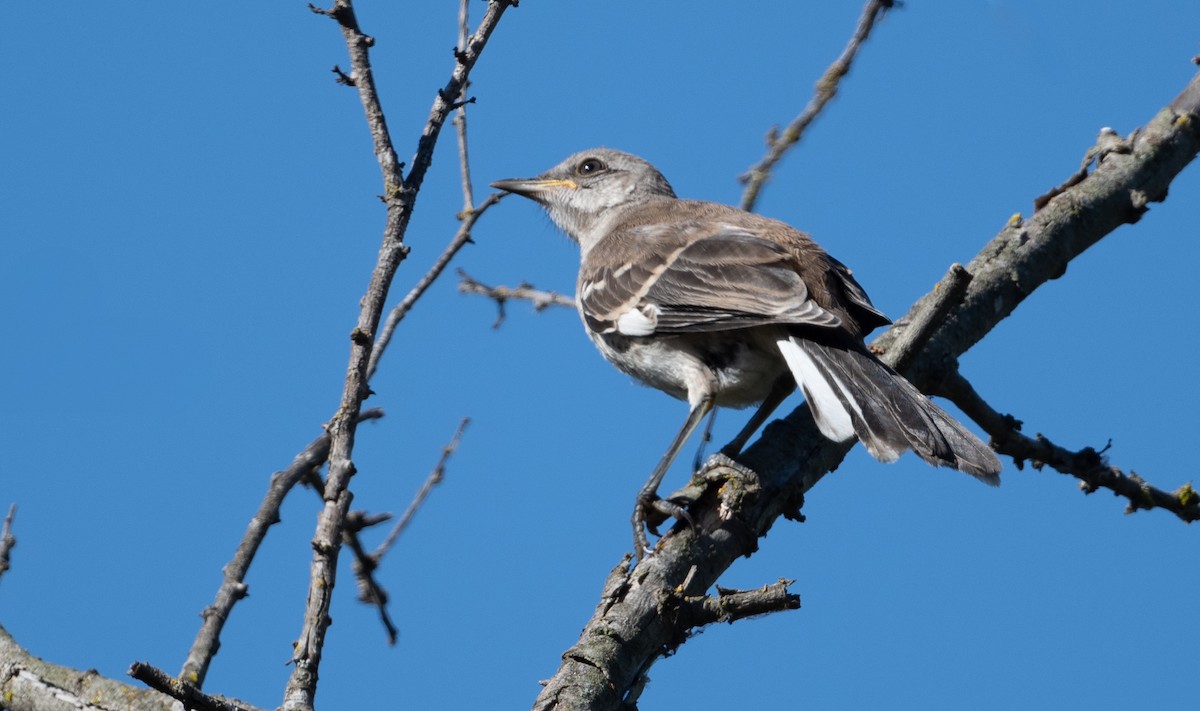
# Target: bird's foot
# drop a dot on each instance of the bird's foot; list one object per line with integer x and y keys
{"x": 649, "y": 513}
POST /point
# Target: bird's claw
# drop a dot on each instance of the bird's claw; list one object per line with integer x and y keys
{"x": 649, "y": 513}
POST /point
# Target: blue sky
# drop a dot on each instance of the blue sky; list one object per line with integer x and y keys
{"x": 189, "y": 217}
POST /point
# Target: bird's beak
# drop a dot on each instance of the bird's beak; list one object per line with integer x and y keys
{"x": 533, "y": 188}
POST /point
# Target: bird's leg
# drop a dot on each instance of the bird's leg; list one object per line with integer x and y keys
{"x": 779, "y": 392}
{"x": 704, "y": 440}
{"x": 648, "y": 496}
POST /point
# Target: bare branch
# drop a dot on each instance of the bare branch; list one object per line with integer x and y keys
{"x": 742, "y": 501}
{"x": 732, "y": 605}
{"x": 1091, "y": 467}
{"x": 28, "y": 683}
{"x": 365, "y": 564}
{"x": 469, "y": 216}
{"x": 400, "y": 198}
{"x": 435, "y": 477}
{"x": 501, "y": 294}
{"x": 7, "y": 540}
{"x": 691, "y": 614}
{"x": 460, "y": 113}
{"x": 189, "y": 695}
{"x": 461, "y": 239}
{"x": 207, "y": 641}
{"x": 916, "y": 333}
{"x": 233, "y": 587}
{"x": 827, "y": 87}
{"x": 369, "y": 589}
{"x": 232, "y": 590}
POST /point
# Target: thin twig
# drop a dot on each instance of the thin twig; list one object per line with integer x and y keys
{"x": 435, "y": 477}
{"x": 827, "y": 87}
{"x": 369, "y": 589}
{"x": 7, "y": 540}
{"x": 461, "y": 239}
{"x": 190, "y": 695}
{"x": 916, "y": 333}
{"x": 1089, "y": 466}
{"x": 468, "y": 284}
{"x": 732, "y": 605}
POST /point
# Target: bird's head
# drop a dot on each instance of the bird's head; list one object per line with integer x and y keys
{"x": 589, "y": 192}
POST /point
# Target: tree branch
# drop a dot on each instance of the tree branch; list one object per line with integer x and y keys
{"x": 7, "y": 540}
{"x": 1091, "y": 467}
{"x": 461, "y": 239}
{"x": 469, "y": 216}
{"x": 827, "y": 86}
{"x": 28, "y": 683}
{"x": 233, "y": 587}
{"x": 189, "y": 695}
{"x": 365, "y": 564}
{"x": 743, "y": 501}
{"x": 208, "y": 639}
{"x": 400, "y": 199}
{"x": 468, "y": 284}
{"x": 369, "y": 589}
{"x": 435, "y": 477}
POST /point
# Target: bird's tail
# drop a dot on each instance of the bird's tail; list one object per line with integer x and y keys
{"x": 852, "y": 393}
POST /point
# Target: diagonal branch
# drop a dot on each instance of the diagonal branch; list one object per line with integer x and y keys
{"x": 365, "y": 564}
{"x": 461, "y": 239}
{"x": 1091, "y": 467}
{"x": 827, "y": 86}
{"x": 370, "y": 591}
{"x": 626, "y": 633}
{"x": 188, "y": 694}
{"x": 233, "y": 587}
{"x": 435, "y": 477}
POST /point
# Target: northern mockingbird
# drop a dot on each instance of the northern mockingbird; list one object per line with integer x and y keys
{"x": 722, "y": 307}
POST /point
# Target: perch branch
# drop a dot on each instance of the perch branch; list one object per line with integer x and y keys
{"x": 626, "y": 634}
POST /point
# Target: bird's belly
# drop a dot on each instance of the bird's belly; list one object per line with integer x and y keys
{"x": 738, "y": 370}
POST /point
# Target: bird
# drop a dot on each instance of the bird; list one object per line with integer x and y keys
{"x": 721, "y": 307}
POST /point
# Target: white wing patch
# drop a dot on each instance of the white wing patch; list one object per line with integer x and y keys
{"x": 638, "y": 321}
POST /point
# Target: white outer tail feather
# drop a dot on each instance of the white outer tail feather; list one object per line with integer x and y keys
{"x": 833, "y": 419}
{"x": 887, "y": 414}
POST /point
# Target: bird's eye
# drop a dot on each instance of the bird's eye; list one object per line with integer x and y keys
{"x": 589, "y": 166}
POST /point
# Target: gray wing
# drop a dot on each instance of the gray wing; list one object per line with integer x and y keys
{"x": 728, "y": 279}
{"x": 866, "y": 316}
